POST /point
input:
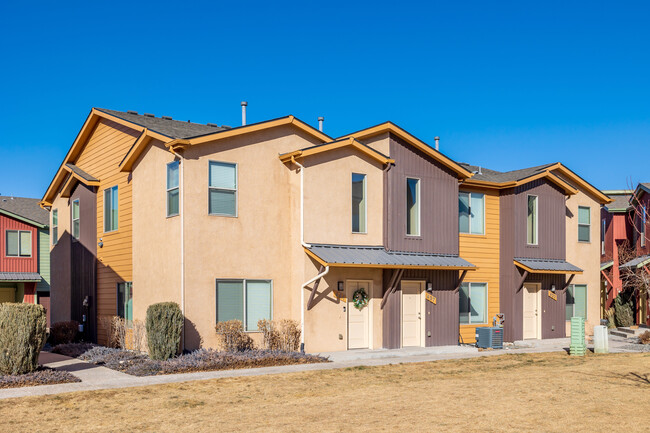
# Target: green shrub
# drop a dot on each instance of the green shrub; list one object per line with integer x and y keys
{"x": 164, "y": 325}
{"x": 22, "y": 336}
{"x": 64, "y": 332}
{"x": 233, "y": 337}
{"x": 624, "y": 309}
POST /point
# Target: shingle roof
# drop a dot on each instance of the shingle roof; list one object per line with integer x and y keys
{"x": 507, "y": 176}
{"x": 621, "y": 202}
{"x": 377, "y": 255}
{"x": 27, "y": 208}
{"x": 552, "y": 265}
{"x": 82, "y": 173}
{"x": 637, "y": 262}
{"x": 169, "y": 127}
{"x": 20, "y": 276}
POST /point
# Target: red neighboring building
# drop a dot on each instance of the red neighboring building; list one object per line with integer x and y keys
{"x": 24, "y": 251}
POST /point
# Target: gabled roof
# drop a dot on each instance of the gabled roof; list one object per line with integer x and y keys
{"x": 82, "y": 174}
{"x": 484, "y": 177}
{"x": 569, "y": 175}
{"x": 26, "y": 210}
{"x": 337, "y": 144}
{"x": 642, "y": 188}
{"x": 390, "y": 127}
{"x": 620, "y": 201}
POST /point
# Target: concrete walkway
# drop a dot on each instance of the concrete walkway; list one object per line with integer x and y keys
{"x": 95, "y": 377}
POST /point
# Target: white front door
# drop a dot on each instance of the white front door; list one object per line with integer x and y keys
{"x": 531, "y": 309}
{"x": 411, "y": 317}
{"x": 358, "y": 320}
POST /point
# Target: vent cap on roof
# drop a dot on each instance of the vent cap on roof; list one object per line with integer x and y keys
{"x": 131, "y": 112}
{"x": 214, "y": 125}
{"x": 148, "y": 115}
{"x": 166, "y": 117}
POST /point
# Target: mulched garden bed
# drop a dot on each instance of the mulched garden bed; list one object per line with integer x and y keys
{"x": 42, "y": 376}
{"x": 138, "y": 364}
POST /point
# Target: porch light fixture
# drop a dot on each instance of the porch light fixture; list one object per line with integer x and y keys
{"x": 553, "y": 288}
{"x": 429, "y": 287}
{"x": 339, "y": 286}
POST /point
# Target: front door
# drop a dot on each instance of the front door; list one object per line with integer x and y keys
{"x": 532, "y": 304}
{"x": 411, "y": 313}
{"x": 358, "y": 320}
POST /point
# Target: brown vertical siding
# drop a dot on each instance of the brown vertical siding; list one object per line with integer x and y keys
{"x": 392, "y": 314}
{"x": 438, "y": 202}
{"x": 508, "y": 273}
{"x": 553, "y": 312}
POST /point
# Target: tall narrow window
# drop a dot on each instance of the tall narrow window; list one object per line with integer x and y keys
{"x": 75, "y": 219}
{"x": 412, "y": 206}
{"x": 223, "y": 189}
{"x": 125, "y": 300}
{"x": 471, "y": 213}
{"x": 644, "y": 219}
{"x": 358, "y": 203}
{"x": 531, "y": 224}
{"x": 173, "y": 188}
{"x": 246, "y": 300}
{"x": 473, "y": 303}
{"x": 603, "y": 232}
{"x": 576, "y": 301}
{"x": 110, "y": 209}
{"x": 584, "y": 224}
{"x": 55, "y": 226}
{"x": 18, "y": 243}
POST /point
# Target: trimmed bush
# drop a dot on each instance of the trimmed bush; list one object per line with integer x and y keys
{"x": 233, "y": 337}
{"x": 64, "y": 332}
{"x": 624, "y": 307}
{"x": 164, "y": 325}
{"x": 283, "y": 335}
{"x": 22, "y": 336}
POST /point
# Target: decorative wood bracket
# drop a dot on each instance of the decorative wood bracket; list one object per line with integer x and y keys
{"x": 521, "y": 282}
{"x": 460, "y": 281}
{"x": 607, "y": 278}
{"x": 313, "y": 290}
{"x": 568, "y": 281}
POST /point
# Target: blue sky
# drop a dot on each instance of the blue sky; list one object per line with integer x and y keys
{"x": 505, "y": 85}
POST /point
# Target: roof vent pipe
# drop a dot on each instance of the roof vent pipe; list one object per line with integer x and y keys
{"x": 243, "y": 112}
{"x": 320, "y": 123}
{"x": 437, "y": 142}
{"x": 479, "y": 170}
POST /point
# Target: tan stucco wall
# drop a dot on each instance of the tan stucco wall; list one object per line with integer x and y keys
{"x": 60, "y": 272}
{"x": 380, "y": 142}
{"x": 585, "y": 255}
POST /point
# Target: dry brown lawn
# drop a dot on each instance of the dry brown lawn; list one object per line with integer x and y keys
{"x": 523, "y": 393}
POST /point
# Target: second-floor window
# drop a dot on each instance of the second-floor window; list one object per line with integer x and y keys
{"x": 644, "y": 218}
{"x": 358, "y": 203}
{"x": 471, "y": 213}
{"x": 110, "y": 209}
{"x": 222, "y": 199}
{"x": 173, "y": 189}
{"x": 55, "y": 226}
{"x": 603, "y": 232}
{"x": 584, "y": 224}
{"x": 75, "y": 219}
{"x": 19, "y": 243}
{"x": 412, "y": 206}
{"x": 531, "y": 221}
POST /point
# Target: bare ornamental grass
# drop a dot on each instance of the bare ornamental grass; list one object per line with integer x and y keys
{"x": 518, "y": 393}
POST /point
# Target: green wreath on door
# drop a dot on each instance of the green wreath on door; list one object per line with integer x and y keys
{"x": 360, "y": 299}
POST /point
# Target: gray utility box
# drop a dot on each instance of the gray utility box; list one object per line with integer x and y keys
{"x": 489, "y": 338}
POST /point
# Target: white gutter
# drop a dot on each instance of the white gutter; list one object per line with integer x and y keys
{"x": 181, "y": 198}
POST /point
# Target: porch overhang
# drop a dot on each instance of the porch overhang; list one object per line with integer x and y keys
{"x": 636, "y": 263}
{"x": 546, "y": 266}
{"x": 606, "y": 265}
{"x": 20, "y": 277}
{"x": 362, "y": 256}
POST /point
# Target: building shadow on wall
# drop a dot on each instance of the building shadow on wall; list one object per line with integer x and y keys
{"x": 193, "y": 339}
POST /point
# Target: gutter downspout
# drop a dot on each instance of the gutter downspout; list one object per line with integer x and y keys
{"x": 305, "y": 245}
{"x": 182, "y": 201}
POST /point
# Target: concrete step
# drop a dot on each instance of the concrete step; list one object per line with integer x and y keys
{"x": 625, "y": 329}
{"x": 618, "y": 333}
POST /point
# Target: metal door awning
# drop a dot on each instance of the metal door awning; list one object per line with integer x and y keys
{"x": 546, "y": 266}
{"x": 20, "y": 277}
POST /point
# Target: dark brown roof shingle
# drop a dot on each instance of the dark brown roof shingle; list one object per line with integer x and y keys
{"x": 26, "y": 208}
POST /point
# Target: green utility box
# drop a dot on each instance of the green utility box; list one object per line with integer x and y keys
{"x": 578, "y": 345}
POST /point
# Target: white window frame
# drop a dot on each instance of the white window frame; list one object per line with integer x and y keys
{"x": 602, "y": 237}
{"x": 536, "y": 219}
{"x": 77, "y": 201}
{"x": 365, "y": 202}
{"x": 210, "y": 188}
{"x": 584, "y": 225}
{"x": 573, "y": 306}
{"x": 114, "y": 190}
{"x": 469, "y": 196}
{"x": 19, "y": 255}
{"x": 178, "y": 163}
{"x": 55, "y": 227}
{"x": 245, "y": 286}
{"x": 469, "y": 317}
{"x": 419, "y": 203}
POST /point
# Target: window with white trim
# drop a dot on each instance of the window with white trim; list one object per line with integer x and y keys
{"x": 55, "y": 226}
{"x": 471, "y": 213}
{"x": 173, "y": 188}
{"x": 18, "y": 243}
{"x": 110, "y": 209}
{"x": 531, "y": 221}
{"x": 125, "y": 300}
{"x": 246, "y": 300}
{"x": 222, "y": 198}
{"x": 358, "y": 203}
{"x": 576, "y": 301}
{"x": 473, "y": 303}
{"x": 412, "y": 206}
{"x": 75, "y": 219}
{"x": 584, "y": 224}
{"x": 603, "y": 232}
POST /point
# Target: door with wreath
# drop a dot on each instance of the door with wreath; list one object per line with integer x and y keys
{"x": 358, "y": 314}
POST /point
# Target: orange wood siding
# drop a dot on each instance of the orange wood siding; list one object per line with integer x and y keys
{"x": 483, "y": 251}
{"x": 100, "y": 158}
